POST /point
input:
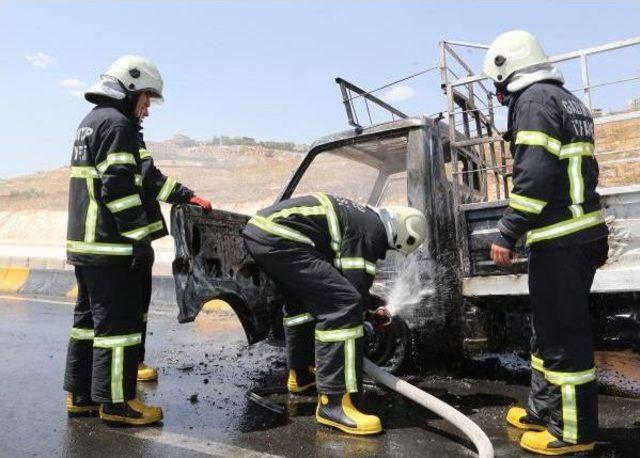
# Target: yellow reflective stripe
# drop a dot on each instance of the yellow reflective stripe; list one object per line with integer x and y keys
{"x": 537, "y": 363}
{"x": 569, "y": 414}
{"x": 117, "y": 374}
{"x": 298, "y": 319}
{"x": 350, "y": 379}
{"x": 118, "y": 249}
{"x": 155, "y": 226}
{"x": 91, "y": 220}
{"x": 576, "y": 149}
{"x": 117, "y": 341}
{"x": 306, "y": 211}
{"x": 83, "y": 171}
{"x": 279, "y": 230}
{"x": 339, "y": 335}
{"x": 91, "y": 172}
{"x": 576, "y": 210}
{"x": 355, "y": 263}
{"x": 116, "y": 159}
{"x": 537, "y": 138}
{"x": 526, "y": 204}
{"x": 570, "y": 378}
{"x": 576, "y": 185}
{"x": 124, "y": 203}
{"x": 82, "y": 334}
{"x": 565, "y": 227}
{"x": 138, "y": 233}
{"x": 332, "y": 221}
{"x": 166, "y": 190}
{"x": 144, "y": 153}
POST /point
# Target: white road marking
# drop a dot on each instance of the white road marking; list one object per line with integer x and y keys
{"x": 195, "y": 444}
{"x": 36, "y": 299}
{"x": 60, "y": 302}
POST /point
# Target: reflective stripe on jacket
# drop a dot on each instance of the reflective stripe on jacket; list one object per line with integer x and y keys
{"x": 555, "y": 174}
{"x": 349, "y": 235}
{"x": 106, "y": 215}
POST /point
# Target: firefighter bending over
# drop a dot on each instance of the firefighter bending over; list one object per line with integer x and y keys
{"x": 322, "y": 251}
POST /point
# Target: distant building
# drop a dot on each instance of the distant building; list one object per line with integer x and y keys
{"x": 634, "y": 104}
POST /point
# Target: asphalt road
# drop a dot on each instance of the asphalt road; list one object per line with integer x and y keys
{"x": 205, "y": 370}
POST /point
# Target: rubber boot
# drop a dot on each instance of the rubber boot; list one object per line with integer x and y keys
{"x": 545, "y": 443}
{"x": 81, "y": 406}
{"x": 147, "y": 373}
{"x": 518, "y": 417}
{"x": 151, "y": 410}
{"x": 301, "y": 380}
{"x": 130, "y": 413}
{"x": 337, "y": 411}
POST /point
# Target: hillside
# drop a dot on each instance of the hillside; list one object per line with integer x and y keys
{"x": 237, "y": 177}
{"x": 246, "y": 175}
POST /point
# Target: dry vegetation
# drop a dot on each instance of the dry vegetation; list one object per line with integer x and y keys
{"x": 244, "y": 178}
{"x": 235, "y": 177}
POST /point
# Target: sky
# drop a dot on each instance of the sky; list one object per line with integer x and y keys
{"x": 264, "y": 69}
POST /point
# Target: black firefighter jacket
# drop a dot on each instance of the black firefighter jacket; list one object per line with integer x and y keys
{"x": 156, "y": 188}
{"x": 107, "y": 209}
{"x": 348, "y": 235}
{"x": 554, "y": 200}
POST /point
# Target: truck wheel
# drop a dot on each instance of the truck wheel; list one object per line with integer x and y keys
{"x": 389, "y": 349}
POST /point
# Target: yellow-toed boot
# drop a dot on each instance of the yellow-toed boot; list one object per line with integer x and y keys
{"x": 301, "y": 380}
{"x": 130, "y": 413}
{"x": 151, "y": 410}
{"x": 545, "y": 443}
{"x": 147, "y": 373}
{"x": 337, "y": 410}
{"x": 81, "y": 406}
{"x": 518, "y": 417}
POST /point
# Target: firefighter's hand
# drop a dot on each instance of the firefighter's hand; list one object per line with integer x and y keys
{"x": 500, "y": 255}
{"x": 381, "y": 317}
{"x": 200, "y": 202}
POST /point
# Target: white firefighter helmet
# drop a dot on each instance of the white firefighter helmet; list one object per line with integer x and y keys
{"x": 136, "y": 74}
{"x": 512, "y": 51}
{"x": 406, "y": 227}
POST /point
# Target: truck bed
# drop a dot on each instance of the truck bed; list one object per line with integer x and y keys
{"x": 621, "y": 273}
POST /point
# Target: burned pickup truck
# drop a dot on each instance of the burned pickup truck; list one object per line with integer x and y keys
{"x": 448, "y": 298}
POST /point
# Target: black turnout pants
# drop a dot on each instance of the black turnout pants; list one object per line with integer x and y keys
{"x": 323, "y": 306}
{"x": 146, "y": 281}
{"x": 563, "y": 381}
{"x": 103, "y": 352}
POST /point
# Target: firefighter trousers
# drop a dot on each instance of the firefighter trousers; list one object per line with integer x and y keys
{"x": 146, "y": 281}
{"x": 104, "y": 346}
{"x": 323, "y": 314}
{"x": 564, "y": 391}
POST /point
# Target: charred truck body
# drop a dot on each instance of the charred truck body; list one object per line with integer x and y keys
{"x": 465, "y": 305}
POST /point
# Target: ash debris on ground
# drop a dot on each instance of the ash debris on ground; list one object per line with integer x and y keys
{"x": 209, "y": 366}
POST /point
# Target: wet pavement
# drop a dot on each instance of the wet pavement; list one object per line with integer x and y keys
{"x": 205, "y": 370}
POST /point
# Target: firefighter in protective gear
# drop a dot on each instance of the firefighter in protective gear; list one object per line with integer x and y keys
{"x": 156, "y": 188}
{"x": 555, "y": 207}
{"x": 108, "y": 242}
{"x": 322, "y": 251}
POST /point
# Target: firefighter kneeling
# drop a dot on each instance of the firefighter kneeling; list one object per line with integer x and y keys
{"x": 322, "y": 251}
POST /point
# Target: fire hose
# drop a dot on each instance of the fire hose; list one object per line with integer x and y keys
{"x": 453, "y": 416}
{"x": 460, "y": 421}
